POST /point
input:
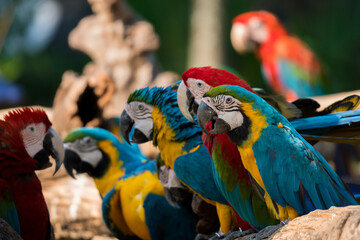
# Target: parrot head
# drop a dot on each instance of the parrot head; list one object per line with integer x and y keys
{"x": 87, "y": 150}
{"x": 137, "y": 114}
{"x": 197, "y": 81}
{"x": 233, "y": 110}
{"x": 26, "y": 135}
{"x": 250, "y": 30}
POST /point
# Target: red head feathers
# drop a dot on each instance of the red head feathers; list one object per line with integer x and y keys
{"x": 268, "y": 19}
{"x": 10, "y": 132}
{"x": 214, "y": 77}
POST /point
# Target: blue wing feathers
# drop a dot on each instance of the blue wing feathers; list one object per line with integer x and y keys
{"x": 322, "y": 184}
{"x": 329, "y": 120}
{"x": 202, "y": 182}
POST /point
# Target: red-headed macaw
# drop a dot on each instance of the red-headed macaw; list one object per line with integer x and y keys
{"x": 227, "y": 164}
{"x": 294, "y": 177}
{"x": 154, "y": 115}
{"x": 288, "y": 65}
{"x": 26, "y": 142}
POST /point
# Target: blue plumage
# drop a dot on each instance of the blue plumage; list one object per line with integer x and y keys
{"x": 292, "y": 171}
{"x": 163, "y": 225}
{"x": 195, "y": 170}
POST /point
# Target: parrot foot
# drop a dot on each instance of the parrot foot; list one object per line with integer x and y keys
{"x": 232, "y": 235}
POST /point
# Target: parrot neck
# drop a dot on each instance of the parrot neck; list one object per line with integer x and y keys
{"x": 267, "y": 49}
{"x": 114, "y": 171}
{"x": 31, "y": 206}
{"x": 164, "y": 138}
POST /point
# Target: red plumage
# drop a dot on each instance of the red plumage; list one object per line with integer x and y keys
{"x": 17, "y": 170}
{"x": 215, "y": 77}
{"x": 288, "y": 64}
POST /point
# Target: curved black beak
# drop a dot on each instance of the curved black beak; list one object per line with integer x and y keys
{"x": 53, "y": 146}
{"x": 209, "y": 120}
{"x": 72, "y": 161}
{"x": 186, "y": 102}
{"x": 126, "y": 123}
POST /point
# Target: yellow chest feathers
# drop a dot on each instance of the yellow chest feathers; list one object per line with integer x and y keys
{"x": 132, "y": 192}
{"x": 164, "y": 138}
{"x": 114, "y": 171}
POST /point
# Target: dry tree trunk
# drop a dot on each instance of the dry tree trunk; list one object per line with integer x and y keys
{"x": 206, "y": 33}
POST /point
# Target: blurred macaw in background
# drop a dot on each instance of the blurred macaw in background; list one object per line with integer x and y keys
{"x": 26, "y": 142}
{"x": 155, "y": 116}
{"x": 296, "y": 179}
{"x": 288, "y": 65}
{"x": 133, "y": 198}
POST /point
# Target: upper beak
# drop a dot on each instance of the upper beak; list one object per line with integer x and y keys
{"x": 53, "y": 144}
{"x": 186, "y": 102}
{"x": 126, "y": 124}
{"x": 72, "y": 160}
{"x": 209, "y": 120}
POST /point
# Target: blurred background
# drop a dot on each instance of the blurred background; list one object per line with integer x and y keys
{"x": 34, "y": 50}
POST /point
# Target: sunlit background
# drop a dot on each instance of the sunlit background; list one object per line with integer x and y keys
{"x": 35, "y": 53}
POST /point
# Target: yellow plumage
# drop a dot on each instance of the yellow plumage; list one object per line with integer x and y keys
{"x": 133, "y": 191}
{"x": 258, "y": 123}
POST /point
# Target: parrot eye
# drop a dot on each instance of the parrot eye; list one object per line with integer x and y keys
{"x": 228, "y": 100}
{"x": 32, "y": 128}
{"x": 141, "y": 107}
{"x": 199, "y": 84}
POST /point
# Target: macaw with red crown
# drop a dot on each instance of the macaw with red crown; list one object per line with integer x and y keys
{"x": 288, "y": 65}
{"x": 26, "y": 142}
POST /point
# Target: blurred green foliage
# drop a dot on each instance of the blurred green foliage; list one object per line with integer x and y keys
{"x": 329, "y": 27}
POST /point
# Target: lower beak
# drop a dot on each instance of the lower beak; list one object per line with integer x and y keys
{"x": 72, "y": 161}
{"x": 126, "y": 124}
{"x": 186, "y": 102}
{"x": 54, "y": 146}
{"x": 209, "y": 121}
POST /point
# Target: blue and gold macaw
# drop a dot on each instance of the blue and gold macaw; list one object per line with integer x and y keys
{"x": 294, "y": 177}
{"x": 155, "y": 116}
{"x": 133, "y": 198}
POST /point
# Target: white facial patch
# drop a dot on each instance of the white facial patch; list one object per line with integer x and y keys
{"x": 33, "y": 136}
{"x": 239, "y": 37}
{"x": 87, "y": 151}
{"x": 227, "y": 109}
{"x": 141, "y": 114}
{"x": 198, "y": 88}
{"x": 234, "y": 119}
{"x": 259, "y": 32}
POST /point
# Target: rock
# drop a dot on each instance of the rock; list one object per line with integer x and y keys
{"x": 334, "y": 223}
{"x": 74, "y": 205}
{"x": 6, "y": 232}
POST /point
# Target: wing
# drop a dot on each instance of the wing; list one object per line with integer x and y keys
{"x": 180, "y": 223}
{"x": 237, "y": 186}
{"x": 295, "y": 174}
{"x": 113, "y": 216}
{"x": 341, "y": 127}
{"x": 298, "y": 68}
{"x": 7, "y": 207}
{"x": 194, "y": 169}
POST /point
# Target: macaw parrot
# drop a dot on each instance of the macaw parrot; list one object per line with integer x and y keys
{"x": 288, "y": 65}
{"x": 296, "y": 179}
{"x": 155, "y": 116}
{"x": 26, "y": 142}
{"x": 197, "y": 81}
{"x": 133, "y": 199}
